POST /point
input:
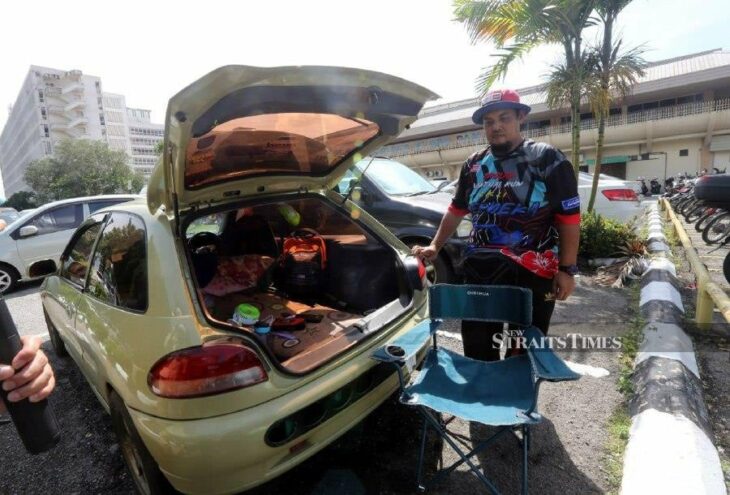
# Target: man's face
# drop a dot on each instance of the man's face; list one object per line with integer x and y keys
{"x": 503, "y": 129}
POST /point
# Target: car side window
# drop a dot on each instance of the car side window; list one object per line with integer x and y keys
{"x": 61, "y": 218}
{"x": 119, "y": 267}
{"x": 76, "y": 263}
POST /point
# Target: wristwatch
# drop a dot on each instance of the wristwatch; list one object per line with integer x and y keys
{"x": 571, "y": 270}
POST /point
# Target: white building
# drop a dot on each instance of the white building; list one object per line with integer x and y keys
{"x": 56, "y": 104}
{"x": 144, "y": 137}
{"x": 676, "y": 120}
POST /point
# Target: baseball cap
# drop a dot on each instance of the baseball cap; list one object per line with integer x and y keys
{"x": 499, "y": 99}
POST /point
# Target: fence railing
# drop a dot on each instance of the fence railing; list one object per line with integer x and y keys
{"x": 671, "y": 112}
{"x": 709, "y": 294}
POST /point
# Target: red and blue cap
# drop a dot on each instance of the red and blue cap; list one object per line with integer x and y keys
{"x": 500, "y": 99}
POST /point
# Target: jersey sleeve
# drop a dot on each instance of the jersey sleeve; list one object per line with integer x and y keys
{"x": 460, "y": 204}
{"x": 562, "y": 188}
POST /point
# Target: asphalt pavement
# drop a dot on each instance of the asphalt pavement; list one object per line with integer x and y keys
{"x": 567, "y": 457}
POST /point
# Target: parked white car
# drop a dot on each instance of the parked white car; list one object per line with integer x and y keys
{"x": 32, "y": 244}
{"x": 615, "y": 198}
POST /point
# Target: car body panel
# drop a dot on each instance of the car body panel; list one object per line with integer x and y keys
{"x": 116, "y": 348}
{"x": 622, "y": 211}
{"x": 227, "y": 93}
{"x": 22, "y": 253}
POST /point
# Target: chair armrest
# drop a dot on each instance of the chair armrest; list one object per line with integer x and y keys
{"x": 546, "y": 365}
{"x": 407, "y": 345}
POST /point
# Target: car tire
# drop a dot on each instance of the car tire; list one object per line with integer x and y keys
{"x": 8, "y": 278}
{"x": 145, "y": 473}
{"x": 56, "y": 341}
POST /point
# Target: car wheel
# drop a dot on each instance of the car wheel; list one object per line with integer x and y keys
{"x": 726, "y": 268}
{"x": 145, "y": 473}
{"x": 56, "y": 342}
{"x": 8, "y": 278}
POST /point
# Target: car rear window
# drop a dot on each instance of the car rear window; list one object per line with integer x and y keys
{"x": 281, "y": 143}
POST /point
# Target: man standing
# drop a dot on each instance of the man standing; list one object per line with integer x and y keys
{"x": 525, "y": 210}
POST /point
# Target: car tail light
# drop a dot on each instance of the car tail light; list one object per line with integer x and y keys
{"x": 620, "y": 194}
{"x": 209, "y": 369}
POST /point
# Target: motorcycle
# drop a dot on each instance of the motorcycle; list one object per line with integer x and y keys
{"x": 656, "y": 188}
{"x": 644, "y": 189}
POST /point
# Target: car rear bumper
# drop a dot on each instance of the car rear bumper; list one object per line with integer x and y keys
{"x": 622, "y": 211}
{"x": 228, "y": 454}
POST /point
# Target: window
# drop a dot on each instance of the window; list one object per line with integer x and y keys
{"x": 683, "y": 152}
{"x": 119, "y": 268}
{"x": 61, "y": 218}
{"x": 98, "y": 205}
{"x": 76, "y": 263}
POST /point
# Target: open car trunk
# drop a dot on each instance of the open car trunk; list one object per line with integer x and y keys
{"x": 256, "y": 263}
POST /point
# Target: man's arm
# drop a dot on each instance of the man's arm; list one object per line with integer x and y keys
{"x": 448, "y": 226}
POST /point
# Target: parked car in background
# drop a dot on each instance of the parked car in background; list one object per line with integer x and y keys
{"x": 7, "y": 216}
{"x": 242, "y": 221}
{"x": 615, "y": 198}
{"x": 33, "y": 242}
{"x": 409, "y": 205}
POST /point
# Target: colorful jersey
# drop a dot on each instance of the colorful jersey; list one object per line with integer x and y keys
{"x": 515, "y": 202}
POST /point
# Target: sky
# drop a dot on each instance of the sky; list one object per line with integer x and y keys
{"x": 149, "y": 50}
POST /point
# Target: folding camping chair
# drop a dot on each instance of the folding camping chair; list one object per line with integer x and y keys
{"x": 500, "y": 393}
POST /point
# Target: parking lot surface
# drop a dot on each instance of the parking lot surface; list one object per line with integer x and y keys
{"x": 379, "y": 456}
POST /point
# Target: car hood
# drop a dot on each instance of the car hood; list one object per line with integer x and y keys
{"x": 436, "y": 202}
{"x": 241, "y": 131}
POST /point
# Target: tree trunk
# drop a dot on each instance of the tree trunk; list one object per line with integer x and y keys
{"x": 599, "y": 157}
{"x": 575, "y": 120}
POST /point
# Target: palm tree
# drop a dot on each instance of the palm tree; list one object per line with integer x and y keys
{"x": 616, "y": 73}
{"x": 518, "y": 26}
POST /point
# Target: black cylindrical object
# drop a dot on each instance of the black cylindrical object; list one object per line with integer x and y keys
{"x": 35, "y": 421}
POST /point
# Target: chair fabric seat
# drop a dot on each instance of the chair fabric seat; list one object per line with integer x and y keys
{"x": 492, "y": 393}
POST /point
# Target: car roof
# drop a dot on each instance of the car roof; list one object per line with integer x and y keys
{"x": 82, "y": 199}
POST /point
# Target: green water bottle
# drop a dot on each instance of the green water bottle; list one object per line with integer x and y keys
{"x": 290, "y": 214}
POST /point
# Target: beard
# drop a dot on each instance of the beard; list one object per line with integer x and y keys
{"x": 503, "y": 148}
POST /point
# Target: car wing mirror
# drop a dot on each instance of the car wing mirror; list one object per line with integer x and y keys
{"x": 28, "y": 231}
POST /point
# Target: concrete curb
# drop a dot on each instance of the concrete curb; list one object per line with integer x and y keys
{"x": 670, "y": 448}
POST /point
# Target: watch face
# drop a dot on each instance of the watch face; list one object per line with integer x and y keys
{"x": 570, "y": 269}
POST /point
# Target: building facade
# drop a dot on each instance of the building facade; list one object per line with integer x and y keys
{"x": 676, "y": 120}
{"x": 54, "y": 105}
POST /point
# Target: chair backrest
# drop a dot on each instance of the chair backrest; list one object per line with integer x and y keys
{"x": 497, "y": 303}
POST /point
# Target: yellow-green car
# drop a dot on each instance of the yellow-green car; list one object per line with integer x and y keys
{"x": 227, "y": 322}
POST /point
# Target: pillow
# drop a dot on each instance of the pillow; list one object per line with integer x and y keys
{"x": 237, "y": 273}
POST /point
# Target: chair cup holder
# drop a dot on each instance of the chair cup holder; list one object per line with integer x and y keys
{"x": 395, "y": 351}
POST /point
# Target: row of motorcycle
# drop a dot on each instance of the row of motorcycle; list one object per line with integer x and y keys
{"x": 705, "y": 202}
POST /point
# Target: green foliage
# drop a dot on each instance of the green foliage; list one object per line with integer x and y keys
{"x": 619, "y": 425}
{"x": 81, "y": 168}
{"x": 21, "y": 200}
{"x": 604, "y": 238}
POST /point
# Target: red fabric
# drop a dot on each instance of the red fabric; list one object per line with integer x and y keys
{"x": 541, "y": 264}
{"x": 237, "y": 273}
{"x": 573, "y": 219}
{"x": 457, "y": 211}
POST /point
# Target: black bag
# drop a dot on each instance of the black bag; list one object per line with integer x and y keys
{"x": 303, "y": 261}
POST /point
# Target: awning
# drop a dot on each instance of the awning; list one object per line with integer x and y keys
{"x": 609, "y": 159}
{"x": 720, "y": 143}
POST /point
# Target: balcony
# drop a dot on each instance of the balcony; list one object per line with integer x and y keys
{"x": 74, "y": 104}
{"x": 697, "y": 118}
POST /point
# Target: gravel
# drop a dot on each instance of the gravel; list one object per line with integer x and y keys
{"x": 377, "y": 457}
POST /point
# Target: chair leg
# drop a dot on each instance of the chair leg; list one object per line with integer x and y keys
{"x": 421, "y": 486}
{"x": 525, "y": 449}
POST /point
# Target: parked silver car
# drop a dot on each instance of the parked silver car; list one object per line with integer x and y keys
{"x": 31, "y": 245}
